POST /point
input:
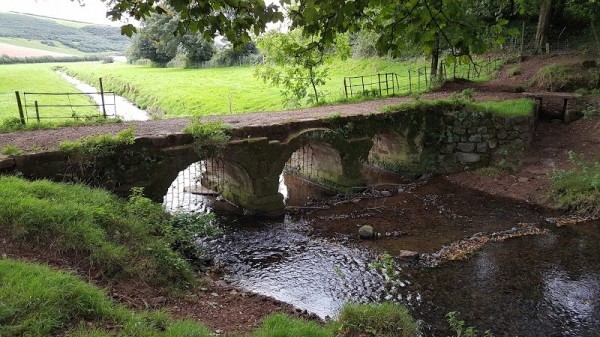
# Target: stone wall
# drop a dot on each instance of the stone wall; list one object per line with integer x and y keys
{"x": 475, "y": 139}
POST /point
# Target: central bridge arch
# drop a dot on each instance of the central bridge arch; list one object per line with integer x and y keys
{"x": 250, "y": 168}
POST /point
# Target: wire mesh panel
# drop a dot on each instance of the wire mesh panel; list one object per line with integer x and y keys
{"x": 375, "y": 85}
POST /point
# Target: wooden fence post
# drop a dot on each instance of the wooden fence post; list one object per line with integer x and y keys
{"x": 37, "y": 111}
{"x": 345, "y": 88}
{"x": 20, "y": 106}
{"x": 102, "y": 97}
{"x": 409, "y": 82}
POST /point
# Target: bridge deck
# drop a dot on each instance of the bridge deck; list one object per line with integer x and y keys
{"x": 33, "y": 141}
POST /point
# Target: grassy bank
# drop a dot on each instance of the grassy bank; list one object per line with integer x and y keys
{"x": 36, "y": 300}
{"x": 115, "y": 238}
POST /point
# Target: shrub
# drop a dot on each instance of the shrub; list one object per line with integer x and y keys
{"x": 209, "y": 137}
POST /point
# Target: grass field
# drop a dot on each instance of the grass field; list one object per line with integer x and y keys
{"x": 184, "y": 92}
{"x": 37, "y": 78}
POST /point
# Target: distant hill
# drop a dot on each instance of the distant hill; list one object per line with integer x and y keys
{"x": 84, "y": 38}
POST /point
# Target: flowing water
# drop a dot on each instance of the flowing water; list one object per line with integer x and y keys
{"x": 117, "y": 106}
{"x": 533, "y": 285}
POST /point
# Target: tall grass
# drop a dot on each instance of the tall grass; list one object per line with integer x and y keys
{"x": 116, "y": 238}
{"x": 38, "y": 301}
{"x": 378, "y": 319}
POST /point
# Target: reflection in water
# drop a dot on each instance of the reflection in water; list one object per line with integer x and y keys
{"x": 186, "y": 194}
{"x": 576, "y": 299}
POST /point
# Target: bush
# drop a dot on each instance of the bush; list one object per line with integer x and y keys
{"x": 378, "y": 319}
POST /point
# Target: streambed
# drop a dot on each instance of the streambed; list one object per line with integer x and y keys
{"x": 546, "y": 283}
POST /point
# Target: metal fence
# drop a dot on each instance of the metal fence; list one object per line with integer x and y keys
{"x": 37, "y": 105}
{"x": 415, "y": 80}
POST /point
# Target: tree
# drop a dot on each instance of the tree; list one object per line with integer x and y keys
{"x": 543, "y": 25}
{"x": 289, "y": 62}
{"x": 156, "y": 41}
{"x": 435, "y": 25}
{"x": 234, "y": 19}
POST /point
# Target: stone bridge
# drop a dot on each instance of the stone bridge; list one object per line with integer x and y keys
{"x": 330, "y": 151}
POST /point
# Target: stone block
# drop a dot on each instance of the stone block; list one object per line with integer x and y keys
{"x": 7, "y": 163}
{"x": 482, "y": 130}
{"x": 448, "y": 148}
{"x": 502, "y": 134}
{"x": 466, "y": 147}
{"x": 492, "y": 143}
{"x": 482, "y": 147}
{"x": 475, "y": 138}
{"x": 467, "y": 158}
{"x": 459, "y": 130}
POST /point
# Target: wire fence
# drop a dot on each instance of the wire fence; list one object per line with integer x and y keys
{"x": 416, "y": 80}
{"x": 76, "y": 105}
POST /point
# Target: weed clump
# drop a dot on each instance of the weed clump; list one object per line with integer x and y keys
{"x": 99, "y": 146}
{"x": 209, "y": 137}
{"x": 577, "y": 189}
{"x": 378, "y": 319}
{"x": 11, "y": 150}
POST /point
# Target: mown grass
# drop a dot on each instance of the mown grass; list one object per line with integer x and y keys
{"x": 38, "y": 78}
{"x": 38, "y": 301}
{"x": 13, "y": 124}
{"x": 577, "y": 189}
{"x": 217, "y": 91}
{"x": 116, "y": 238}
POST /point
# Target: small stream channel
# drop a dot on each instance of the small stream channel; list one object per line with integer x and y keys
{"x": 533, "y": 285}
{"x": 117, "y": 106}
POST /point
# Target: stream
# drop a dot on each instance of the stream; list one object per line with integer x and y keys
{"x": 117, "y": 106}
{"x": 537, "y": 283}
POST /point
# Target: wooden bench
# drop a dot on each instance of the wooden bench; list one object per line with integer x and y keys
{"x": 565, "y": 96}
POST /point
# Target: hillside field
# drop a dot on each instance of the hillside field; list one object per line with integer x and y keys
{"x": 61, "y": 36}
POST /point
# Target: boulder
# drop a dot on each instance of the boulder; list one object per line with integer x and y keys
{"x": 366, "y": 232}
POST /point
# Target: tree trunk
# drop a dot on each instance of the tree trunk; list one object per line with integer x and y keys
{"x": 312, "y": 83}
{"x": 435, "y": 57}
{"x": 541, "y": 34}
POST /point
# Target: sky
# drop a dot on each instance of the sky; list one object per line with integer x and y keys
{"x": 94, "y": 11}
